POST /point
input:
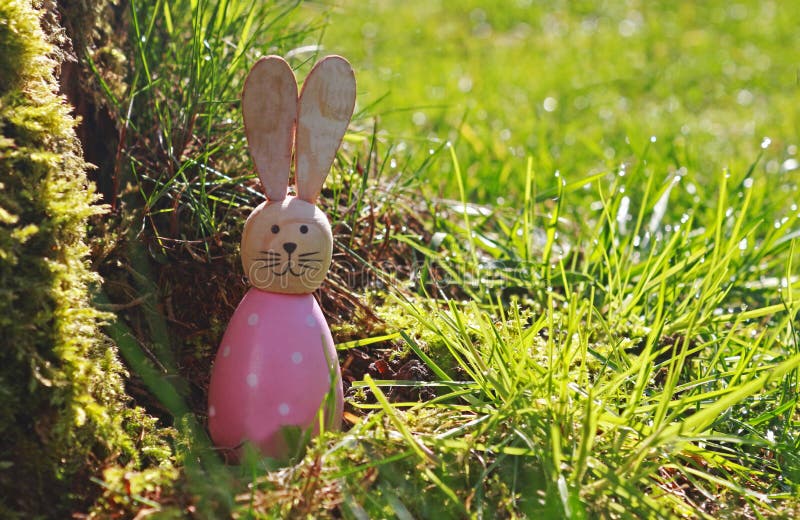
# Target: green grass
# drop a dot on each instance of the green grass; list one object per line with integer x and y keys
{"x": 576, "y": 87}
{"x": 608, "y": 302}
{"x": 636, "y": 380}
{"x": 182, "y": 150}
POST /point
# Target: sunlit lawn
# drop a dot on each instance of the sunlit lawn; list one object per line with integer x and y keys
{"x": 579, "y": 86}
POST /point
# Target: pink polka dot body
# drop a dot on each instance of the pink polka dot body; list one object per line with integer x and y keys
{"x": 273, "y": 369}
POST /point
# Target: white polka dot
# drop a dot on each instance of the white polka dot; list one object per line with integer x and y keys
{"x": 297, "y": 358}
{"x": 252, "y": 380}
{"x": 212, "y": 411}
{"x": 283, "y": 409}
{"x": 311, "y": 321}
{"x": 226, "y": 351}
{"x": 252, "y": 319}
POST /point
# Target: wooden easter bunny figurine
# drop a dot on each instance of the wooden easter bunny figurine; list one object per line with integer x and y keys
{"x": 277, "y": 362}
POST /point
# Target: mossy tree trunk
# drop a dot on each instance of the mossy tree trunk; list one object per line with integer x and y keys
{"x": 64, "y": 415}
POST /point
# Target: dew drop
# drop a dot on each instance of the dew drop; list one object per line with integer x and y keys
{"x": 465, "y": 84}
{"x": 744, "y": 97}
{"x": 772, "y": 166}
{"x": 789, "y": 165}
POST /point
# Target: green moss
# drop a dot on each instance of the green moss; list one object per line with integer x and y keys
{"x": 18, "y": 45}
{"x": 64, "y": 414}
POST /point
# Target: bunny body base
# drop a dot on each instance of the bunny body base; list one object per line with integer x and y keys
{"x": 273, "y": 369}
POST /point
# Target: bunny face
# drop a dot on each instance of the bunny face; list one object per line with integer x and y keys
{"x": 287, "y": 246}
{"x": 287, "y": 242}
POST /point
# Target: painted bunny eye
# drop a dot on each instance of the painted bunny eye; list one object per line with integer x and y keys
{"x": 275, "y": 228}
{"x": 304, "y": 229}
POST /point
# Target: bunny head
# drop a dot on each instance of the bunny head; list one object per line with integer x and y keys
{"x": 287, "y": 242}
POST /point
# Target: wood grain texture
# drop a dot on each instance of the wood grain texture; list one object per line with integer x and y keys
{"x": 269, "y": 109}
{"x": 324, "y": 110}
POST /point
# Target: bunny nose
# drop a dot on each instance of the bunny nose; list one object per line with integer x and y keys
{"x": 289, "y": 247}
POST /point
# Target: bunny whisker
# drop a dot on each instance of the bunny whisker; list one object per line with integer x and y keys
{"x": 309, "y": 253}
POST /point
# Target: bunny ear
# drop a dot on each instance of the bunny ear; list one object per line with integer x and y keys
{"x": 269, "y": 108}
{"x": 324, "y": 110}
